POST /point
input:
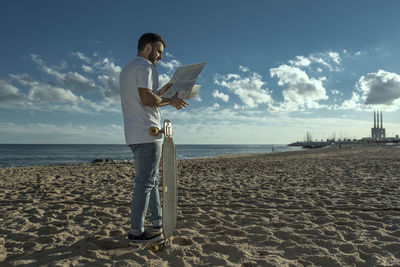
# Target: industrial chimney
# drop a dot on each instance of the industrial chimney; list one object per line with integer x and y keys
{"x": 377, "y": 119}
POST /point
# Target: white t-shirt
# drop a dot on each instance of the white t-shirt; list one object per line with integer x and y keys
{"x": 138, "y": 118}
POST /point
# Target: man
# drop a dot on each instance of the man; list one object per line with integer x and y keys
{"x": 141, "y": 104}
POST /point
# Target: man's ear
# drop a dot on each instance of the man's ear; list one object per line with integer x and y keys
{"x": 148, "y": 48}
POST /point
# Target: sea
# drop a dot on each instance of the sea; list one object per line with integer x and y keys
{"x": 16, "y": 155}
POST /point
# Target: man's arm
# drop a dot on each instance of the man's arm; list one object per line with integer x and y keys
{"x": 150, "y": 99}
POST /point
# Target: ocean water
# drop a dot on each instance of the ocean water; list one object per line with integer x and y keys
{"x": 13, "y": 155}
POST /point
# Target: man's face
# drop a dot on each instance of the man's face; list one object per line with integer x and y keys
{"x": 156, "y": 53}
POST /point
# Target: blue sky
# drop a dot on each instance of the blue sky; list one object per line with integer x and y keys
{"x": 275, "y": 69}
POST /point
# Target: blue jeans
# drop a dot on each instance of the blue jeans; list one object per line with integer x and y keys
{"x": 146, "y": 195}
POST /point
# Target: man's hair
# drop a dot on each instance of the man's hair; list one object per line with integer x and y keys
{"x": 149, "y": 38}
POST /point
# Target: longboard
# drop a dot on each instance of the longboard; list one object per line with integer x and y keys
{"x": 169, "y": 185}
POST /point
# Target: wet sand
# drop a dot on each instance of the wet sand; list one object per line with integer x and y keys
{"x": 324, "y": 207}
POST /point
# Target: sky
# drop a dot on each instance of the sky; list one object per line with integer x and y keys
{"x": 274, "y": 71}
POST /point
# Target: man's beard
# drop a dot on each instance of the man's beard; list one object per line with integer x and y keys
{"x": 152, "y": 56}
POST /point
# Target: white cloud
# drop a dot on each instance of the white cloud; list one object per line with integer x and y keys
{"x": 329, "y": 60}
{"x": 336, "y": 92}
{"x": 301, "y": 91}
{"x": 300, "y": 61}
{"x": 354, "y": 103}
{"x": 69, "y": 80}
{"x": 109, "y": 78}
{"x": 168, "y": 54}
{"x": 220, "y": 95}
{"x": 9, "y": 92}
{"x": 198, "y": 98}
{"x": 62, "y": 66}
{"x": 81, "y": 56}
{"x": 49, "y": 97}
{"x": 249, "y": 89}
{"x": 335, "y": 57}
{"x": 170, "y": 65}
{"x": 48, "y": 93}
{"x": 52, "y": 72}
{"x": 380, "y": 88}
{"x": 58, "y": 92}
{"x": 24, "y": 79}
{"x": 244, "y": 69}
{"x": 110, "y": 87}
{"x": 76, "y": 81}
{"x": 321, "y": 61}
{"x": 87, "y": 69}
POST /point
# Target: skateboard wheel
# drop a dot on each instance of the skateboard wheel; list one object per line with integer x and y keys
{"x": 153, "y": 131}
{"x": 153, "y": 247}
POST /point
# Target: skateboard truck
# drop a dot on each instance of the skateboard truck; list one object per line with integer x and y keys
{"x": 153, "y": 131}
{"x": 167, "y": 130}
{"x": 159, "y": 246}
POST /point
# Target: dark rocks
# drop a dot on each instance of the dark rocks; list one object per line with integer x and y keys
{"x": 103, "y": 161}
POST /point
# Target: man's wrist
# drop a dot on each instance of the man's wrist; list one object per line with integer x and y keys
{"x": 165, "y": 101}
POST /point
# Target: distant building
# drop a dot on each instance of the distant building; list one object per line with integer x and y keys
{"x": 378, "y": 132}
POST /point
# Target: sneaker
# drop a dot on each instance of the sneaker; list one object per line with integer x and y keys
{"x": 145, "y": 237}
{"x": 157, "y": 230}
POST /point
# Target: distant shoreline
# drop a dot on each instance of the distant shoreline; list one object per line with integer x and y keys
{"x": 53, "y": 155}
{"x": 222, "y": 156}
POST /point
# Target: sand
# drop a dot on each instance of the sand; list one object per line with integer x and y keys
{"x": 325, "y": 207}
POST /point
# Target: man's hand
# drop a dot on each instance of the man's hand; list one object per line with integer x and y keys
{"x": 164, "y": 89}
{"x": 177, "y": 102}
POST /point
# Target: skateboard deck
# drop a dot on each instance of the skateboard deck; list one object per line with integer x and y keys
{"x": 169, "y": 193}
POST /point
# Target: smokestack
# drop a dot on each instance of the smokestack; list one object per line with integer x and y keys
{"x": 381, "y": 121}
{"x": 374, "y": 119}
{"x": 377, "y": 119}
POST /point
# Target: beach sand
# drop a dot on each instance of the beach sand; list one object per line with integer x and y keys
{"x": 324, "y": 207}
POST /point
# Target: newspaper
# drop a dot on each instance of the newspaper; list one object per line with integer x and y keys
{"x": 183, "y": 81}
